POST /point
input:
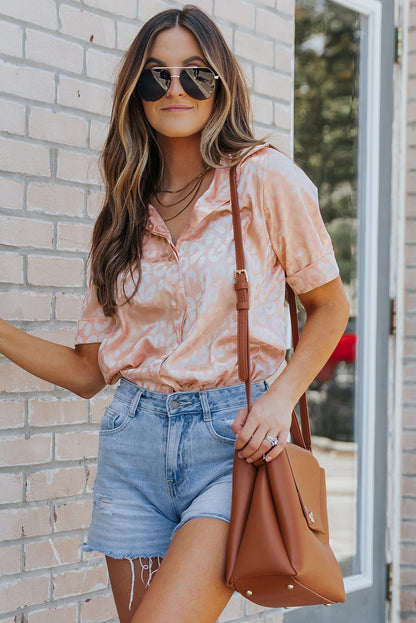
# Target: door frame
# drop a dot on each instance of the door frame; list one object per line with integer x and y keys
{"x": 366, "y": 591}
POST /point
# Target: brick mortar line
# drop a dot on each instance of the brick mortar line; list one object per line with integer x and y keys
{"x": 42, "y": 179}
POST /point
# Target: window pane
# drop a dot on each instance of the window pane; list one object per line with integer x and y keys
{"x": 326, "y": 137}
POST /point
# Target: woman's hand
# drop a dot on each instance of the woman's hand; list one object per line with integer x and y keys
{"x": 269, "y": 416}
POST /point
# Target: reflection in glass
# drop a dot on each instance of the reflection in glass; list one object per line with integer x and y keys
{"x": 326, "y": 126}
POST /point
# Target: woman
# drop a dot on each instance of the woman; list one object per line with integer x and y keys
{"x": 160, "y": 315}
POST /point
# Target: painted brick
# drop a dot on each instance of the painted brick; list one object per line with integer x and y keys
{"x": 262, "y": 109}
{"x": 24, "y": 592}
{"x": 95, "y": 203}
{"x": 24, "y": 305}
{"x": 98, "y": 405}
{"x": 283, "y": 60}
{"x": 21, "y": 451}
{"x": 408, "y": 531}
{"x": 274, "y": 26}
{"x": 409, "y": 394}
{"x": 34, "y": 84}
{"x": 80, "y": 581}
{"x": 24, "y": 522}
{"x": 59, "y": 336}
{"x": 410, "y": 254}
{"x": 98, "y": 134}
{"x": 68, "y": 306}
{"x": 74, "y": 237}
{"x": 83, "y": 25}
{"x": 408, "y": 440}
{"x": 11, "y": 193}
{"x": 102, "y": 65}
{"x": 55, "y": 412}
{"x": 12, "y": 117}
{"x": 126, "y": 32}
{"x": 72, "y": 515}
{"x": 81, "y": 95}
{"x": 12, "y": 414}
{"x": 55, "y": 51}
{"x": 98, "y": 609}
{"x": 10, "y": 488}
{"x": 51, "y": 553}
{"x": 147, "y": 9}
{"x": 11, "y": 267}
{"x": 23, "y": 157}
{"x": 43, "y": 12}
{"x": 286, "y": 6}
{"x": 409, "y": 464}
{"x": 55, "y": 199}
{"x": 10, "y": 560}
{"x": 254, "y": 48}
{"x": 54, "y": 271}
{"x": 128, "y": 8}
{"x": 77, "y": 445}
{"x": 63, "y": 614}
{"x": 410, "y": 302}
{"x": 409, "y": 371}
{"x": 409, "y": 348}
{"x": 91, "y": 474}
{"x": 11, "y": 37}
{"x": 407, "y": 600}
{"x": 237, "y": 12}
{"x": 273, "y": 84}
{"x": 79, "y": 167}
{"x": 15, "y": 231}
{"x": 282, "y": 116}
{"x": 58, "y": 127}
{"x": 54, "y": 483}
{"x": 14, "y": 379}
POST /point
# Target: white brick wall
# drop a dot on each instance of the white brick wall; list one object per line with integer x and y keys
{"x": 58, "y": 59}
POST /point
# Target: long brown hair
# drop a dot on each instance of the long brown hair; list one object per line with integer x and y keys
{"x": 132, "y": 162}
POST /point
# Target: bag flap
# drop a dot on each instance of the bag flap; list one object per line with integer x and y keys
{"x": 309, "y": 478}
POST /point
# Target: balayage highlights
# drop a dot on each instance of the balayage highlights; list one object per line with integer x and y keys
{"x": 132, "y": 162}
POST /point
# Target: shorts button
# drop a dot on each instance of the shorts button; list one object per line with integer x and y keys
{"x": 174, "y": 403}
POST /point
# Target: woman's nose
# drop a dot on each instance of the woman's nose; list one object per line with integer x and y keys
{"x": 175, "y": 87}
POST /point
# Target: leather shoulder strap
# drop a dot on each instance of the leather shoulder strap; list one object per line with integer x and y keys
{"x": 300, "y": 436}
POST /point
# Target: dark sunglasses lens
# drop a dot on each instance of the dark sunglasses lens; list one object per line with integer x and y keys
{"x": 198, "y": 82}
{"x": 153, "y": 84}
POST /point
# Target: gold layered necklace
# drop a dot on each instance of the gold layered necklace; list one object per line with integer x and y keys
{"x": 191, "y": 194}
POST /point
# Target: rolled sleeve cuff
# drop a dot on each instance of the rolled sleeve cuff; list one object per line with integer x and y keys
{"x": 319, "y": 273}
{"x": 92, "y": 332}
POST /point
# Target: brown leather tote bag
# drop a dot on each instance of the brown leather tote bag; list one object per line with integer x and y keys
{"x": 278, "y": 549}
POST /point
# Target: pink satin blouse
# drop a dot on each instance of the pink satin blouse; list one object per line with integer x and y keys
{"x": 179, "y": 331}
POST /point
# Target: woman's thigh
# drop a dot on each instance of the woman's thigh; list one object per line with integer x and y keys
{"x": 189, "y": 585}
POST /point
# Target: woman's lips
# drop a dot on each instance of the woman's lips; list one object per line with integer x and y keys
{"x": 177, "y": 108}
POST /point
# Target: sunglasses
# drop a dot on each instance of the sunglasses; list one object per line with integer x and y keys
{"x": 197, "y": 82}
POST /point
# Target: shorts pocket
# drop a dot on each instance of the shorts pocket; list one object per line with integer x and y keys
{"x": 219, "y": 425}
{"x": 116, "y": 418}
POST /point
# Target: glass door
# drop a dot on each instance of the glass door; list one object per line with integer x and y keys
{"x": 338, "y": 64}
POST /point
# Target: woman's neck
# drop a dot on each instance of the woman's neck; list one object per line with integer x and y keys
{"x": 182, "y": 160}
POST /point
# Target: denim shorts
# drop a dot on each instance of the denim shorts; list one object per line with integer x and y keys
{"x": 163, "y": 459}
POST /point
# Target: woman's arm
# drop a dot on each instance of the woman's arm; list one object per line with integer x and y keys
{"x": 326, "y": 318}
{"x": 75, "y": 369}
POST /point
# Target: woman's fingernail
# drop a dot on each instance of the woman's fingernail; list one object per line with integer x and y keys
{"x": 268, "y": 459}
{"x": 249, "y": 460}
{"x": 239, "y": 456}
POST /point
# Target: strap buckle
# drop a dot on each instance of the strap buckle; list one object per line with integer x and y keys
{"x": 240, "y": 271}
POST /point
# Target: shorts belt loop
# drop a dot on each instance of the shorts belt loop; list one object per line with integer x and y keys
{"x": 135, "y": 402}
{"x": 205, "y": 405}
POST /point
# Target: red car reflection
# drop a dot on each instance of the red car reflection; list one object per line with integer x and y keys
{"x": 344, "y": 352}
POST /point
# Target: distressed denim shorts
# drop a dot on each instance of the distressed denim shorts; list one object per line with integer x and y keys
{"x": 163, "y": 459}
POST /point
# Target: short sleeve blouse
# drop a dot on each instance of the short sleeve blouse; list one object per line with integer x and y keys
{"x": 178, "y": 332}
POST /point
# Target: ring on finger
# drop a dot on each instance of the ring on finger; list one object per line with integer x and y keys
{"x": 273, "y": 440}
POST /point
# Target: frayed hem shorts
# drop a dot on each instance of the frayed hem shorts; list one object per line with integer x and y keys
{"x": 163, "y": 459}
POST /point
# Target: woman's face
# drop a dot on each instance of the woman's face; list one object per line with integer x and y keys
{"x": 177, "y": 114}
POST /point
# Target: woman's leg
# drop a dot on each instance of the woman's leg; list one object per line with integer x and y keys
{"x": 189, "y": 585}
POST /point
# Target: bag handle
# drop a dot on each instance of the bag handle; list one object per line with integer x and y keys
{"x": 301, "y": 436}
